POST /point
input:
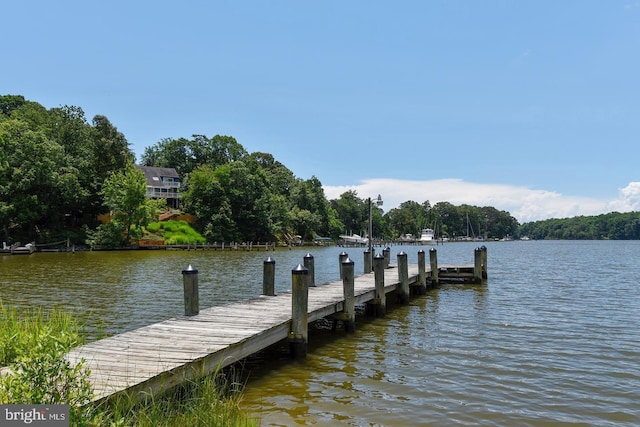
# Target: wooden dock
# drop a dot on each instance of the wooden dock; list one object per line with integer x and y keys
{"x": 153, "y": 358}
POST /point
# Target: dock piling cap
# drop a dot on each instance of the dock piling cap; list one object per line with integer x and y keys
{"x": 190, "y": 270}
{"x": 300, "y": 269}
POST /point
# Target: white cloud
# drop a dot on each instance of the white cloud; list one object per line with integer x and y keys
{"x": 523, "y": 203}
{"x": 628, "y": 199}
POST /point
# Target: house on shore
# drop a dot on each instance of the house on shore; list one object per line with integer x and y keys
{"x": 163, "y": 183}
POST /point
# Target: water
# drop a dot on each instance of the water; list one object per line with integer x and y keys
{"x": 552, "y": 339}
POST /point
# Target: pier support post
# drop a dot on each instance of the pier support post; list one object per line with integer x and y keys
{"x": 269, "y": 277}
{"x": 380, "y": 298}
{"x": 348, "y": 285}
{"x": 477, "y": 265}
{"x": 367, "y": 261}
{"x": 433, "y": 261}
{"x": 403, "y": 276}
{"x": 299, "y": 333}
{"x": 343, "y": 255}
{"x": 190, "y": 284}
{"x": 386, "y": 253}
{"x": 422, "y": 279}
{"x": 484, "y": 264}
{"x": 309, "y": 264}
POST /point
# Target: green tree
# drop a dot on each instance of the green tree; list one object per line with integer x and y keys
{"x": 231, "y": 202}
{"x": 409, "y": 217}
{"x": 124, "y": 194}
{"x": 186, "y": 155}
{"x": 30, "y": 179}
{"x": 9, "y": 103}
{"x": 350, "y": 211}
{"x": 109, "y": 153}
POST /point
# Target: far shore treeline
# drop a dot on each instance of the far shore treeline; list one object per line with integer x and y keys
{"x": 59, "y": 172}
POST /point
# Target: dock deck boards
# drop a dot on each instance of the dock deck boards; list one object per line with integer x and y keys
{"x": 155, "y": 357}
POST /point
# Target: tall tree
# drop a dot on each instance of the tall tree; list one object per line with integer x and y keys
{"x": 350, "y": 211}
{"x": 185, "y": 155}
{"x": 30, "y": 179}
{"x": 124, "y": 194}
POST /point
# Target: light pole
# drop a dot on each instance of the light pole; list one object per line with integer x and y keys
{"x": 378, "y": 202}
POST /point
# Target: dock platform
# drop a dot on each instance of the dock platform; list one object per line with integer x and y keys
{"x": 153, "y": 358}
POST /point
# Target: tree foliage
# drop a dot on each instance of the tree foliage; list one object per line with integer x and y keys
{"x": 52, "y": 168}
{"x": 58, "y": 173}
{"x": 186, "y": 155}
{"x": 610, "y": 226}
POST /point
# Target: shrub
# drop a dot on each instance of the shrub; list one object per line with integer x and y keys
{"x": 33, "y": 348}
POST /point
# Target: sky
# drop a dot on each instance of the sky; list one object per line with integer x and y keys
{"x": 531, "y": 106}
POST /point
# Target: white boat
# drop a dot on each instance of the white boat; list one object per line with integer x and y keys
{"x": 27, "y": 249}
{"x": 427, "y": 237}
{"x": 354, "y": 239}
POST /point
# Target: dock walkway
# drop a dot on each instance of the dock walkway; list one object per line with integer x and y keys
{"x": 153, "y": 358}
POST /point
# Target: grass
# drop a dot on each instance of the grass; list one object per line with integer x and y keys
{"x": 32, "y": 346}
{"x": 175, "y": 232}
{"x": 211, "y": 401}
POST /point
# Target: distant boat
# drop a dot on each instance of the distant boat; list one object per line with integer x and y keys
{"x": 27, "y": 249}
{"x": 427, "y": 237}
{"x": 407, "y": 238}
{"x": 354, "y": 239}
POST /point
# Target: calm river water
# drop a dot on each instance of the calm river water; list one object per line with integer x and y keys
{"x": 552, "y": 339}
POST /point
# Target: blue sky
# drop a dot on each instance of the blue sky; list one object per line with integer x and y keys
{"x": 529, "y": 106}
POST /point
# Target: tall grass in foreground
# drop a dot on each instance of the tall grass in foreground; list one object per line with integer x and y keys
{"x": 211, "y": 401}
{"x": 32, "y": 346}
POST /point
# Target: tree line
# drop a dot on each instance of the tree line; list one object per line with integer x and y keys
{"x": 610, "y": 226}
{"x": 58, "y": 172}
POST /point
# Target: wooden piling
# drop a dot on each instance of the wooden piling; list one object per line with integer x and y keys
{"x": 309, "y": 264}
{"x": 433, "y": 260}
{"x": 299, "y": 333}
{"x": 477, "y": 265}
{"x": 403, "y": 277}
{"x": 367, "y": 261}
{"x": 269, "y": 277}
{"x": 343, "y": 256}
{"x": 422, "y": 279}
{"x": 348, "y": 286}
{"x": 190, "y": 285}
{"x": 380, "y": 298}
{"x": 386, "y": 253}
{"x": 484, "y": 264}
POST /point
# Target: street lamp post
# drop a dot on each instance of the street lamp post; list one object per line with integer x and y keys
{"x": 378, "y": 202}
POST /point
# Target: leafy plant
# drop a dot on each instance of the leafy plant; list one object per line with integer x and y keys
{"x": 33, "y": 348}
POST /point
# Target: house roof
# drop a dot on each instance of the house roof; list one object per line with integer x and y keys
{"x": 158, "y": 173}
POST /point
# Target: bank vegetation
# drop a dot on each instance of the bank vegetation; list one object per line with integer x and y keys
{"x": 59, "y": 172}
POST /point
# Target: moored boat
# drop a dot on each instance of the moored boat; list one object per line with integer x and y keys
{"x": 354, "y": 239}
{"x": 27, "y": 249}
{"x": 427, "y": 237}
